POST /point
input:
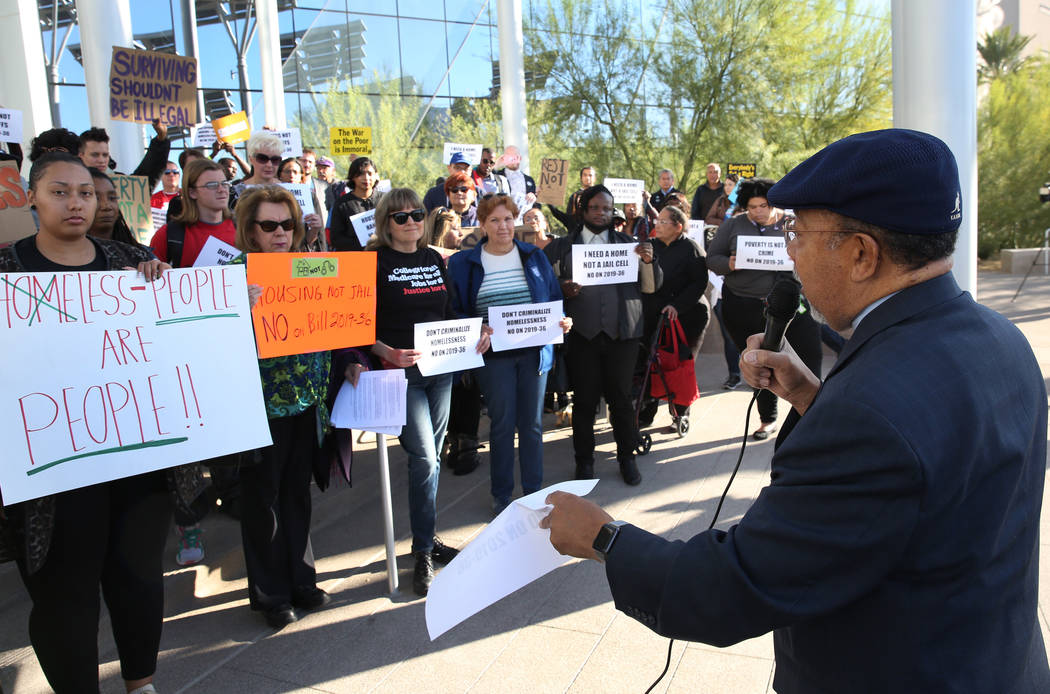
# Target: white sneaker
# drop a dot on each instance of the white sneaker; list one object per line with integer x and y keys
{"x": 191, "y": 547}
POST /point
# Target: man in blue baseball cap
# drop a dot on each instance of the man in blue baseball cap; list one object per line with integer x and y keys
{"x": 896, "y": 546}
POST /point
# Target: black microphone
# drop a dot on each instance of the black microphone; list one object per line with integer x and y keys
{"x": 781, "y": 307}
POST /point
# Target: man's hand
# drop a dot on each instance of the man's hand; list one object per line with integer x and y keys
{"x": 782, "y": 373}
{"x": 162, "y": 130}
{"x": 574, "y": 522}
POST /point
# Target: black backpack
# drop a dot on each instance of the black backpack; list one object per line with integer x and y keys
{"x": 176, "y": 236}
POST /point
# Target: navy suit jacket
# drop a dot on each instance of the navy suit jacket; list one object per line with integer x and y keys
{"x": 896, "y": 546}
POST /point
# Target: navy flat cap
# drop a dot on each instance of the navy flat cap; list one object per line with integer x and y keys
{"x": 901, "y": 180}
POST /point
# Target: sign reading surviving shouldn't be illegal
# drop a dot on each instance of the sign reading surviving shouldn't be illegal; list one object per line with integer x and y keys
{"x": 110, "y": 379}
{"x": 148, "y": 85}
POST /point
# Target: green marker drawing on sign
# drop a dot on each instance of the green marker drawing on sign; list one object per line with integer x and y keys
{"x": 315, "y": 268}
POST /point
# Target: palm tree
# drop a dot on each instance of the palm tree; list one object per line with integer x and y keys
{"x": 1001, "y": 53}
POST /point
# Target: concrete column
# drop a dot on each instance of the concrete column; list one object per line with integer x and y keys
{"x": 935, "y": 90}
{"x": 512, "y": 78}
{"x": 270, "y": 59}
{"x": 104, "y": 24}
{"x": 23, "y": 81}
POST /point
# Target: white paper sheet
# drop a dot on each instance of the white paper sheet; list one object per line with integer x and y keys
{"x": 376, "y": 404}
{"x": 10, "y": 125}
{"x": 364, "y": 224}
{"x": 511, "y": 552}
{"x": 604, "y": 263}
{"x": 216, "y": 252}
{"x": 625, "y": 190}
{"x": 471, "y": 152}
{"x": 762, "y": 253}
{"x": 526, "y": 325}
{"x": 448, "y": 345}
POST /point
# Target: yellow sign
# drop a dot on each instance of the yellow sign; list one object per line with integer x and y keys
{"x": 149, "y": 85}
{"x": 741, "y": 170}
{"x": 232, "y": 128}
{"x": 357, "y": 142}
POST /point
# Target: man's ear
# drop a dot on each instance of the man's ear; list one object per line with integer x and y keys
{"x": 865, "y": 257}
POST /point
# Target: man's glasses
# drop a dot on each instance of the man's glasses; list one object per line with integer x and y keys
{"x": 215, "y": 185}
{"x": 262, "y": 159}
{"x": 791, "y": 230}
{"x": 270, "y": 226}
{"x": 459, "y": 189}
{"x": 171, "y": 171}
{"x": 402, "y": 217}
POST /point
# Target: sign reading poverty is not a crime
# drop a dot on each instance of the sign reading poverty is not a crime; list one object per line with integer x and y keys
{"x": 148, "y": 85}
{"x": 762, "y": 253}
{"x": 111, "y": 379}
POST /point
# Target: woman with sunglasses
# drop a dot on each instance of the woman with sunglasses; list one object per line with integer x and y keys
{"x": 361, "y": 196}
{"x": 462, "y": 198}
{"x": 275, "y": 490}
{"x": 205, "y": 213}
{"x": 264, "y": 154}
{"x": 412, "y": 288}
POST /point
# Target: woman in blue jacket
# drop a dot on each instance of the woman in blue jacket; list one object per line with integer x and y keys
{"x": 503, "y": 271}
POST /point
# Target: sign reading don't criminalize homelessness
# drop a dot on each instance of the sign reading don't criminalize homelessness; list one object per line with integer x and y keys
{"x": 148, "y": 85}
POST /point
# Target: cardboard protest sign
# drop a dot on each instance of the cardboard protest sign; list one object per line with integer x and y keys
{"x": 762, "y": 253}
{"x": 355, "y": 141}
{"x": 16, "y": 221}
{"x": 604, "y": 263}
{"x": 625, "y": 190}
{"x": 526, "y": 325}
{"x": 204, "y": 135}
{"x": 471, "y": 152}
{"x": 550, "y": 188}
{"x": 290, "y": 138}
{"x": 313, "y": 301}
{"x": 10, "y": 125}
{"x": 232, "y": 128}
{"x": 364, "y": 224}
{"x": 133, "y": 199}
{"x": 148, "y": 85}
{"x": 113, "y": 381}
{"x": 448, "y": 345}
{"x": 742, "y": 170}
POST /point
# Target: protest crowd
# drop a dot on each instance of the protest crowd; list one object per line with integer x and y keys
{"x": 479, "y": 239}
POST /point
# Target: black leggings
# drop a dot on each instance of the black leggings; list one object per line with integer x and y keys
{"x": 743, "y": 317}
{"x": 110, "y": 534}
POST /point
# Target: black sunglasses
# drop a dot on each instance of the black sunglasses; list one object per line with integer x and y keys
{"x": 486, "y": 196}
{"x": 402, "y": 217}
{"x": 459, "y": 189}
{"x": 270, "y": 226}
{"x": 171, "y": 171}
{"x": 488, "y": 161}
{"x": 262, "y": 159}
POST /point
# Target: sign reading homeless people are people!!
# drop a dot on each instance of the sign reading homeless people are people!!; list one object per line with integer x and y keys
{"x": 290, "y": 138}
{"x": 10, "y": 125}
{"x": 133, "y": 199}
{"x": 313, "y": 301}
{"x": 149, "y": 85}
{"x": 471, "y": 152}
{"x": 232, "y": 128}
{"x": 742, "y": 170}
{"x": 550, "y": 189}
{"x": 526, "y": 325}
{"x": 762, "y": 253}
{"x": 16, "y": 221}
{"x": 448, "y": 345}
{"x": 354, "y": 141}
{"x": 110, "y": 376}
{"x": 604, "y": 263}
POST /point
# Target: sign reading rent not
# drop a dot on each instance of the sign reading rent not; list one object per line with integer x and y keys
{"x": 148, "y": 85}
{"x": 604, "y": 263}
{"x": 550, "y": 189}
{"x": 762, "y": 253}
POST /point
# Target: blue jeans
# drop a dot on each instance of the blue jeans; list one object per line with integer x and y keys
{"x": 513, "y": 390}
{"x": 426, "y": 417}
{"x": 728, "y": 348}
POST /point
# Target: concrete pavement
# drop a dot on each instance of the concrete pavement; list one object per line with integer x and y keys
{"x": 560, "y": 633}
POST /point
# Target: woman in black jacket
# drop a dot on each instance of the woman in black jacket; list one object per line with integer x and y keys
{"x": 361, "y": 197}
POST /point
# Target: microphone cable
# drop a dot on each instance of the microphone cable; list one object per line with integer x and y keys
{"x": 714, "y": 519}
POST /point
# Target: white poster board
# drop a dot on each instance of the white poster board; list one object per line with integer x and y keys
{"x": 10, "y": 125}
{"x": 762, "y": 253}
{"x": 115, "y": 380}
{"x": 377, "y": 403}
{"x": 625, "y": 190}
{"x": 604, "y": 263}
{"x": 216, "y": 252}
{"x": 290, "y": 137}
{"x": 471, "y": 152}
{"x": 304, "y": 195}
{"x": 203, "y": 135}
{"x": 448, "y": 345}
{"x": 160, "y": 216}
{"x": 364, "y": 224}
{"x": 526, "y": 325}
{"x": 696, "y": 231}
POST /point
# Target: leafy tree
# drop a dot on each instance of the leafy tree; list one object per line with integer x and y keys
{"x": 1001, "y": 54}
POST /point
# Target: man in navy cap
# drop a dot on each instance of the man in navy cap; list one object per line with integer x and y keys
{"x": 896, "y": 546}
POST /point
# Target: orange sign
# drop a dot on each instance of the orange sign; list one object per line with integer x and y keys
{"x": 313, "y": 301}
{"x": 232, "y": 128}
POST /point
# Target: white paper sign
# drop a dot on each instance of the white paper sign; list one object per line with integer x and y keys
{"x": 292, "y": 140}
{"x": 696, "y": 231}
{"x": 303, "y": 193}
{"x": 762, "y": 253}
{"x": 376, "y": 404}
{"x": 364, "y": 224}
{"x": 160, "y": 216}
{"x": 510, "y": 553}
{"x": 625, "y": 190}
{"x": 471, "y": 152}
{"x": 448, "y": 345}
{"x": 384, "y": 186}
{"x": 10, "y": 125}
{"x": 604, "y": 263}
{"x": 526, "y": 325}
{"x": 216, "y": 252}
{"x": 203, "y": 135}
{"x": 124, "y": 386}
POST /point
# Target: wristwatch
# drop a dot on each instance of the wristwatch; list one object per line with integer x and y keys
{"x": 603, "y": 541}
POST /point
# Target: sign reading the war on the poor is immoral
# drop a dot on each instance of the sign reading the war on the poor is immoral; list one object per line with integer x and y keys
{"x": 604, "y": 263}
{"x": 762, "y": 253}
{"x": 550, "y": 188}
{"x": 148, "y": 85}
{"x": 16, "y": 222}
{"x": 133, "y": 199}
{"x": 113, "y": 381}
{"x": 354, "y": 141}
{"x": 313, "y": 301}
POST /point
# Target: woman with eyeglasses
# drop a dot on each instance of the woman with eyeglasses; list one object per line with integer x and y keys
{"x": 275, "y": 490}
{"x": 744, "y": 291}
{"x": 264, "y": 154}
{"x": 205, "y": 213}
{"x": 362, "y": 196}
{"x": 412, "y": 288}
{"x": 462, "y": 198}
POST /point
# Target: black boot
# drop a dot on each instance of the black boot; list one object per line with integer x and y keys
{"x": 465, "y": 459}
{"x": 424, "y": 573}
